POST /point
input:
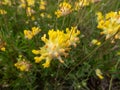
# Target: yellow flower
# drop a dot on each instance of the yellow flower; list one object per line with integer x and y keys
{"x": 99, "y": 73}
{"x": 109, "y": 24}
{"x": 57, "y": 45}
{"x": 42, "y": 5}
{"x": 22, "y": 4}
{"x": 2, "y": 49}
{"x": 29, "y": 34}
{"x": 64, "y": 9}
{"x": 42, "y": 15}
{"x": 30, "y": 2}
{"x": 82, "y": 3}
{"x": 49, "y": 16}
{"x": 73, "y": 33}
{"x": 22, "y": 65}
{"x": 29, "y": 11}
{"x": 6, "y": 2}
{"x": 33, "y": 18}
{"x": 3, "y": 12}
{"x": 96, "y": 42}
{"x": 35, "y": 30}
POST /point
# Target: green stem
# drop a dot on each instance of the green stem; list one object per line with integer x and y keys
{"x": 110, "y": 86}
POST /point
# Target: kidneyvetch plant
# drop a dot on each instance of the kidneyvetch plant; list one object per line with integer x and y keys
{"x": 59, "y": 45}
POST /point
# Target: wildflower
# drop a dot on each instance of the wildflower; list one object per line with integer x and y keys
{"x": 2, "y": 49}
{"x": 109, "y": 24}
{"x": 30, "y": 2}
{"x": 82, "y": 3}
{"x": 35, "y": 30}
{"x": 95, "y": 42}
{"x": 73, "y": 33}
{"x": 64, "y": 9}
{"x": 42, "y": 15}
{"x": 49, "y": 16}
{"x": 6, "y": 2}
{"x": 29, "y": 34}
{"x": 57, "y": 45}
{"x": 3, "y": 12}
{"x": 22, "y": 4}
{"x": 33, "y": 18}
{"x": 29, "y": 11}
{"x": 42, "y": 5}
{"x": 99, "y": 73}
{"x": 22, "y": 65}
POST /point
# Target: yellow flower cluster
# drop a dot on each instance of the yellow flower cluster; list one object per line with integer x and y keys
{"x": 3, "y": 12}
{"x": 57, "y": 45}
{"x": 30, "y": 2}
{"x": 29, "y": 11}
{"x": 42, "y": 5}
{"x": 24, "y": 3}
{"x": 29, "y": 34}
{"x": 110, "y": 24}
{"x": 6, "y": 2}
{"x": 22, "y": 65}
{"x": 64, "y": 9}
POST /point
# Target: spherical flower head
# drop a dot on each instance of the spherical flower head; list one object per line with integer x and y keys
{"x": 64, "y": 9}
{"x": 56, "y": 45}
{"x": 23, "y": 65}
{"x": 110, "y": 24}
